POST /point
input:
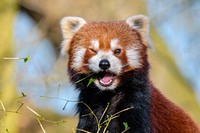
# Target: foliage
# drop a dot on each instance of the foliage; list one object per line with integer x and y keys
{"x": 92, "y": 77}
{"x": 25, "y": 59}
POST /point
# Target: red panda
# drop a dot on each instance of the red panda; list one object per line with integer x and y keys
{"x": 108, "y": 64}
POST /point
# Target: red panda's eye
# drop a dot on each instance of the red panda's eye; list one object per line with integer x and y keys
{"x": 94, "y": 51}
{"x": 117, "y": 51}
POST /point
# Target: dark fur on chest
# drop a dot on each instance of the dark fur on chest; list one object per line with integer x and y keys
{"x": 129, "y": 103}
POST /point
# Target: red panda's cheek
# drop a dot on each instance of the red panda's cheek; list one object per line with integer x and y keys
{"x": 122, "y": 57}
{"x": 133, "y": 58}
{"x": 85, "y": 61}
{"x": 124, "y": 61}
{"x": 88, "y": 54}
{"x": 77, "y": 58}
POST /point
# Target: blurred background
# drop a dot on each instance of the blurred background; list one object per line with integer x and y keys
{"x": 37, "y": 97}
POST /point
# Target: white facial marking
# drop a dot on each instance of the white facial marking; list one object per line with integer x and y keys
{"x": 115, "y": 67}
{"x": 113, "y": 43}
{"x": 78, "y": 58}
{"x": 133, "y": 57}
{"x": 95, "y": 43}
{"x": 115, "y": 63}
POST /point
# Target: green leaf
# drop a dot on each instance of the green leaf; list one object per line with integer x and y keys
{"x": 92, "y": 79}
{"x": 26, "y": 59}
{"x": 125, "y": 125}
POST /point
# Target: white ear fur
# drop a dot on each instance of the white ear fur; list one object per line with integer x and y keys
{"x": 69, "y": 25}
{"x": 141, "y": 24}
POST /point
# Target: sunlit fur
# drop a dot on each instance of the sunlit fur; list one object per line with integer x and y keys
{"x": 125, "y": 37}
{"x": 113, "y": 43}
{"x": 142, "y": 107}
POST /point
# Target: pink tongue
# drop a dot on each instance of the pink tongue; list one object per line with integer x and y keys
{"x": 106, "y": 79}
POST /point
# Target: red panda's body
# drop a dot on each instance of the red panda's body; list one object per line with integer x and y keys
{"x": 167, "y": 117}
{"x": 108, "y": 65}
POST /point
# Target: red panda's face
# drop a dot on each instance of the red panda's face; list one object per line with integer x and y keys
{"x": 108, "y": 49}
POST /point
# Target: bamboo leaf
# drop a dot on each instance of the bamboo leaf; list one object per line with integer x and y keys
{"x": 26, "y": 59}
{"x": 125, "y": 125}
{"x": 91, "y": 81}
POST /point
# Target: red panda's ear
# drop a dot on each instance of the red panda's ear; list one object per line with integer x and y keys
{"x": 69, "y": 25}
{"x": 141, "y": 24}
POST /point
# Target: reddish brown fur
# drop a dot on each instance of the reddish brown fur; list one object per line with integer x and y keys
{"x": 169, "y": 118}
{"x": 166, "y": 117}
{"x": 93, "y": 30}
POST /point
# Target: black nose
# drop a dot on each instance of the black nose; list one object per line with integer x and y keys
{"x": 104, "y": 64}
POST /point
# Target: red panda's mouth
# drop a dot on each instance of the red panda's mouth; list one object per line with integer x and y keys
{"x": 106, "y": 78}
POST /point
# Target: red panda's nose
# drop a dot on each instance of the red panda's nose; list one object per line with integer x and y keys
{"x": 104, "y": 64}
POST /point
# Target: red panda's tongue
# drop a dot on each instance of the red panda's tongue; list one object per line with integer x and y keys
{"x": 106, "y": 79}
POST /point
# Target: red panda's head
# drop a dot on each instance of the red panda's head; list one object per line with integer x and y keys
{"x": 108, "y": 49}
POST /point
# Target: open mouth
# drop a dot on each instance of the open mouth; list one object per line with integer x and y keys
{"x": 106, "y": 78}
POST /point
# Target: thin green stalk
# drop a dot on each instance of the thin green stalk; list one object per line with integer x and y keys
{"x": 84, "y": 78}
{"x": 125, "y": 130}
{"x": 92, "y": 112}
{"x": 107, "y": 124}
{"x": 122, "y": 111}
{"x": 82, "y": 130}
{"x": 104, "y": 113}
{"x": 19, "y": 107}
{"x": 58, "y": 91}
{"x": 41, "y": 125}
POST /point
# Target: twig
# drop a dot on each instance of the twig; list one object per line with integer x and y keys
{"x": 41, "y": 125}
{"x": 92, "y": 112}
{"x": 82, "y": 130}
{"x": 42, "y": 118}
{"x": 65, "y": 105}
{"x": 58, "y": 98}
{"x": 107, "y": 124}
{"x": 112, "y": 117}
{"x": 23, "y": 96}
{"x": 12, "y": 58}
{"x": 125, "y": 130}
{"x": 104, "y": 113}
{"x": 58, "y": 91}
{"x": 73, "y": 131}
{"x": 38, "y": 115}
{"x": 84, "y": 78}
{"x": 18, "y": 58}
{"x": 67, "y": 101}
{"x": 3, "y": 107}
{"x": 123, "y": 111}
{"x": 19, "y": 107}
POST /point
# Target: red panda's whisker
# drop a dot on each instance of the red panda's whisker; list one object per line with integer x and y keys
{"x": 81, "y": 72}
{"x": 75, "y": 74}
{"x": 125, "y": 65}
{"x": 85, "y": 64}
